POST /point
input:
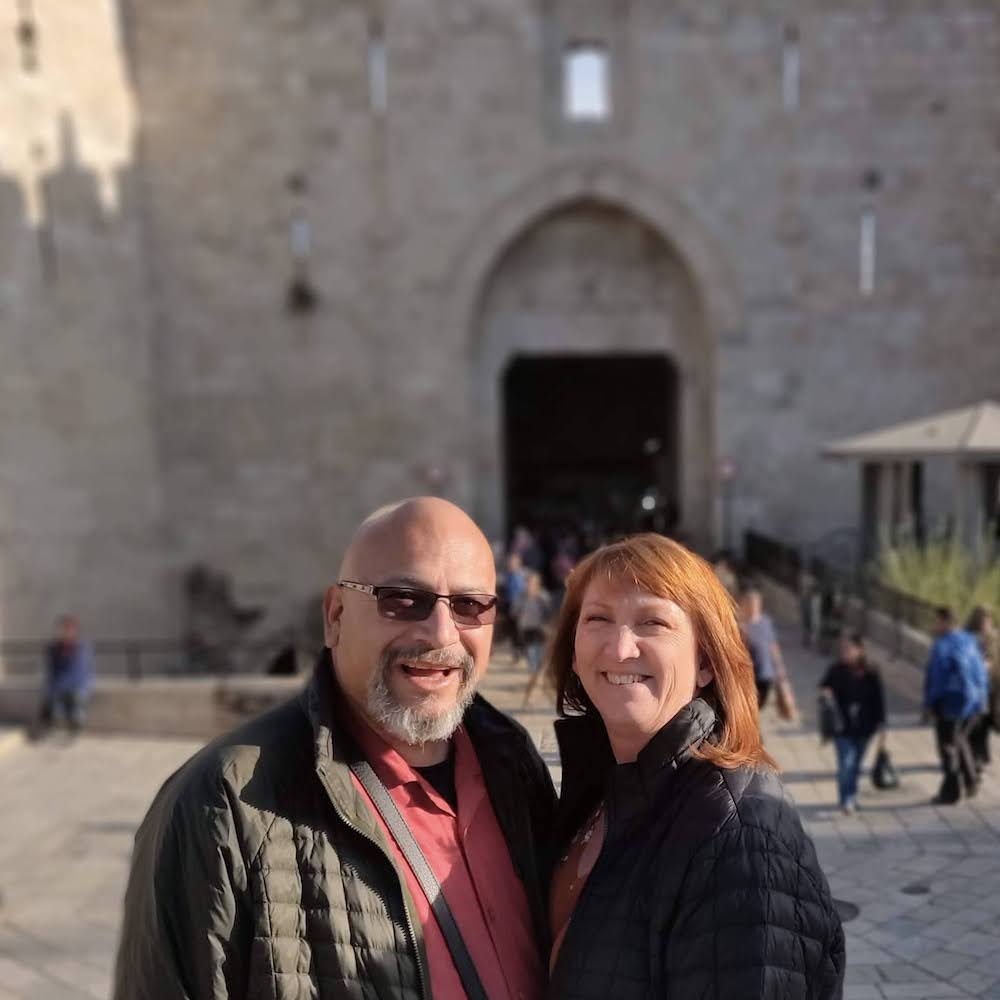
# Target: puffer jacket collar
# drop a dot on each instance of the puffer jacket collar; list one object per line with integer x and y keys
{"x": 334, "y": 752}
{"x": 591, "y": 773}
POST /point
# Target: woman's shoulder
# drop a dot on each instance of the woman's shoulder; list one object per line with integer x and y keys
{"x": 720, "y": 797}
{"x": 765, "y": 817}
{"x": 751, "y": 799}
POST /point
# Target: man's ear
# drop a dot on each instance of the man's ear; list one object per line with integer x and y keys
{"x": 333, "y": 608}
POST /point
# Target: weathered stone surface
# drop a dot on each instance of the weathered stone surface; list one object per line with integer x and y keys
{"x": 159, "y": 406}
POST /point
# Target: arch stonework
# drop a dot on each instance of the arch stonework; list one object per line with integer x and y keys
{"x": 481, "y": 258}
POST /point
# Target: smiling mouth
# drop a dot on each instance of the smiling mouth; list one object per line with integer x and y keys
{"x": 620, "y": 680}
{"x": 428, "y": 669}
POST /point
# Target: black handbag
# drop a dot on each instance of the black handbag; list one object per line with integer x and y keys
{"x": 828, "y": 718}
{"x": 884, "y": 773}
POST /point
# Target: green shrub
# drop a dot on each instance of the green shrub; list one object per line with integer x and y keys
{"x": 942, "y": 572}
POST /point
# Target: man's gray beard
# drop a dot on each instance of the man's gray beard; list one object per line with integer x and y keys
{"x": 408, "y": 723}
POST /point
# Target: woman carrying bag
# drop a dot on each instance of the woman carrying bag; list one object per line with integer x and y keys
{"x": 855, "y": 687}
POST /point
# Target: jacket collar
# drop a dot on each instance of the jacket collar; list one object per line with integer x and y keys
{"x": 320, "y": 700}
{"x": 673, "y": 744}
{"x": 590, "y": 771}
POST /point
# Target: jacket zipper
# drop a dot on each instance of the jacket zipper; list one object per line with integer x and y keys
{"x": 421, "y": 974}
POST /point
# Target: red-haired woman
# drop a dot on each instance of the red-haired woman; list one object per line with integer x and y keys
{"x": 683, "y": 870}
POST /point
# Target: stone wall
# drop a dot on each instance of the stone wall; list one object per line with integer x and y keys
{"x": 82, "y": 525}
{"x": 256, "y": 437}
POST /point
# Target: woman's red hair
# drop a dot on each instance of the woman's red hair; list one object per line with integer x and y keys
{"x": 665, "y": 568}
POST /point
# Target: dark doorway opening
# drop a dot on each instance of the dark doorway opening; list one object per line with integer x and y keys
{"x": 590, "y": 444}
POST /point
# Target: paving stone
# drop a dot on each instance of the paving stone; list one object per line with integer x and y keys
{"x": 921, "y": 991}
{"x": 943, "y": 964}
{"x": 63, "y": 871}
{"x": 904, "y": 972}
{"x": 974, "y": 944}
{"x": 974, "y": 982}
{"x": 857, "y": 973}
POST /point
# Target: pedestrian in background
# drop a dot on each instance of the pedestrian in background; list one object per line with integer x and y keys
{"x": 533, "y": 613}
{"x": 725, "y": 570}
{"x": 810, "y": 610}
{"x": 856, "y": 689}
{"x": 982, "y": 626}
{"x": 69, "y": 676}
{"x": 561, "y": 567}
{"x": 954, "y": 697}
{"x": 523, "y": 543}
{"x": 762, "y": 642}
{"x": 514, "y": 583}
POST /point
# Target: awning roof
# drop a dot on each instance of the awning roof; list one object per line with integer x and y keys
{"x": 972, "y": 432}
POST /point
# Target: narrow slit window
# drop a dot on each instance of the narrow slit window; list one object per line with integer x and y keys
{"x": 378, "y": 69}
{"x": 866, "y": 253}
{"x": 27, "y": 36}
{"x": 790, "y": 68}
{"x": 586, "y": 83}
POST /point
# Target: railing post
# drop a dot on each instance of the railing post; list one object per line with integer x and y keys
{"x": 897, "y": 604}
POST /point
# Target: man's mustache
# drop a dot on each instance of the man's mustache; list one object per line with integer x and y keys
{"x": 428, "y": 654}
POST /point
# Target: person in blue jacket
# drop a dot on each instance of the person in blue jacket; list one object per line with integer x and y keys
{"x": 955, "y": 691}
{"x": 69, "y": 676}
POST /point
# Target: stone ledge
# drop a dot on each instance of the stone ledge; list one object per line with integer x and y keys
{"x": 202, "y": 707}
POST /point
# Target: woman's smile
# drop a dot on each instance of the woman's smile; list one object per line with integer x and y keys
{"x": 623, "y": 680}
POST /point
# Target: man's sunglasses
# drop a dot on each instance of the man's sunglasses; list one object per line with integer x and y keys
{"x": 406, "y": 604}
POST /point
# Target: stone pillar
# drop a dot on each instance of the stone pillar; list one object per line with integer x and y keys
{"x": 869, "y": 481}
{"x": 904, "y": 528}
{"x": 968, "y": 503}
{"x": 884, "y": 532}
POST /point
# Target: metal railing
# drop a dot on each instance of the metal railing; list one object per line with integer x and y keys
{"x": 135, "y": 659}
{"x": 786, "y": 564}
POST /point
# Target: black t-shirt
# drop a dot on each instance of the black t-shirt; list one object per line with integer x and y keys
{"x": 442, "y": 778}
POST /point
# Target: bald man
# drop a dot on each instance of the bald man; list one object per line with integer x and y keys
{"x": 284, "y": 860}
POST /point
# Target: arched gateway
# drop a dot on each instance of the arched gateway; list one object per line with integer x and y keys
{"x": 593, "y": 305}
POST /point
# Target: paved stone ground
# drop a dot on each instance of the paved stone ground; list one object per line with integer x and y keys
{"x": 926, "y": 879}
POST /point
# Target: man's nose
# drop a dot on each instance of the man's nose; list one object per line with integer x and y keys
{"x": 439, "y": 626}
{"x": 626, "y": 647}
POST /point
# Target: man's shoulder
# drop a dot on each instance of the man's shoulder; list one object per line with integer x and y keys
{"x": 484, "y": 719}
{"x": 268, "y": 750}
{"x": 504, "y": 747}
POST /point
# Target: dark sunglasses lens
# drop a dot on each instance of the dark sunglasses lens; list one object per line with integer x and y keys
{"x": 405, "y": 605}
{"x": 474, "y": 609}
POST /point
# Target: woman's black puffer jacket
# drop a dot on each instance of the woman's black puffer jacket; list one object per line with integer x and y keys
{"x": 707, "y": 887}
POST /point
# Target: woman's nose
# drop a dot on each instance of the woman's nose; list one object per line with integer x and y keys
{"x": 625, "y": 644}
